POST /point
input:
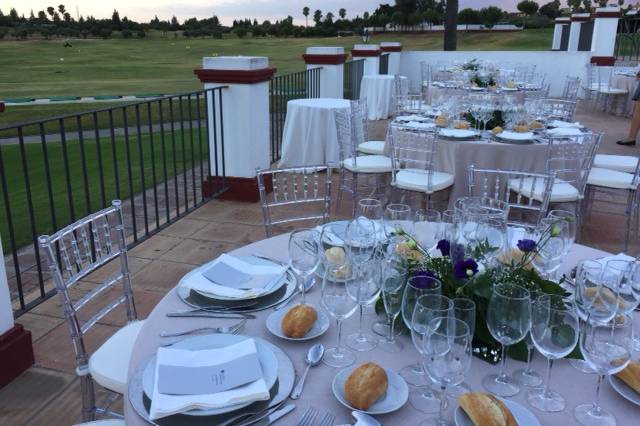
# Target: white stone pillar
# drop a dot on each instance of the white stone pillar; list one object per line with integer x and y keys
{"x": 557, "y": 32}
{"x": 6, "y": 310}
{"x": 603, "y": 42}
{"x": 331, "y": 61}
{"x": 371, "y": 55}
{"x": 394, "y": 49}
{"x": 245, "y": 112}
{"x": 574, "y": 35}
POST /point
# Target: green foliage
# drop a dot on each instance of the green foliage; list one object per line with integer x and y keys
{"x": 528, "y": 7}
{"x": 490, "y": 16}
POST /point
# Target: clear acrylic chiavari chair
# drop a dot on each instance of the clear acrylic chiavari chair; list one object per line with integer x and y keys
{"x": 296, "y": 194}
{"x": 571, "y": 88}
{"x": 558, "y": 109}
{"x": 73, "y": 253}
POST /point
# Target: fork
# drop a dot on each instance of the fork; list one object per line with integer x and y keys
{"x": 309, "y": 417}
{"x": 327, "y": 420}
{"x": 225, "y": 329}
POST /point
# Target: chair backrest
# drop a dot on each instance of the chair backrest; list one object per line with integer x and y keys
{"x": 352, "y": 129}
{"x": 412, "y": 150}
{"x": 571, "y": 158}
{"x": 558, "y": 108}
{"x": 514, "y": 188}
{"x": 295, "y": 194}
{"x": 605, "y": 74}
{"x": 425, "y": 73}
{"x": 79, "y": 249}
{"x": 571, "y": 88}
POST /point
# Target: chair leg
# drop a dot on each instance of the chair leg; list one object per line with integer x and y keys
{"x": 88, "y": 398}
{"x": 629, "y": 213}
{"x": 340, "y": 191}
{"x": 354, "y": 195}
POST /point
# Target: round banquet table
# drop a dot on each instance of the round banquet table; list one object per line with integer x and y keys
{"x": 576, "y": 387}
{"x": 378, "y": 90}
{"x": 309, "y": 137}
{"x": 435, "y": 93}
{"x": 628, "y": 83}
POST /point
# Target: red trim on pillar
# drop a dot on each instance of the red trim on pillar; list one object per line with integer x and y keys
{"x": 2, "y": 107}
{"x": 237, "y": 188}
{"x": 235, "y": 76}
{"x": 16, "y": 353}
{"x": 365, "y": 53}
{"x": 606, "y": 15}
{"x": 319, "y": 59}
{"x": 580, "y": 18}
{"x": 603, "y": 61}
{"x": 562, "y": 20}
{"x": 391, "y": 48}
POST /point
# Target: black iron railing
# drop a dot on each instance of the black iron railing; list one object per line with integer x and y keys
{"x": 353, "y": 72}
{"x": 384, "y": 64}
{"x": 627, "y": 47}
{"x": 153, "y": 155}
{"x": 282, "y": 89}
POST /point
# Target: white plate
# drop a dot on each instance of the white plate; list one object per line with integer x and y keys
{"x": 319, "y": 328}
{"x": 458, "y": 133}
{"x": 268, "y": 361}
{"x": 412, "y": 117}
{"x": 564, "y": 131}
{"x": 509, "y": 89}
{"x": 522, "y": 415}
{"x": 395, "y": 397}
{"x": 477, "y": 88}
{"x": 624, "y": 390}
{"x": 515, "y": 136}
{"x": 565, "y": 124}
{"x": 420, "y": 126}
{"x": 248, "y": 259}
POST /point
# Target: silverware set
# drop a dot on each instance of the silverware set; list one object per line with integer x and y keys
{"x": 233, "y": 329}
{"x": 315, "y": 417}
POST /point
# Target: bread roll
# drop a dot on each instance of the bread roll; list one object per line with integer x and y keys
{"x": 461, "y": 125}
{"x": 496, "y": 130}
{"x": 486, "y": 410}
{"x": 298, "y": 321}
{"x": 631, "y": 376}
{"x": 365, "y": 385}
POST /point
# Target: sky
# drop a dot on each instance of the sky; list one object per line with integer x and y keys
{"x": 226, "y": 10}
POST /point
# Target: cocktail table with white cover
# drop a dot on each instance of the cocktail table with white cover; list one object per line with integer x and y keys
{"x": 309, "y": 136}
{"x": 317, "y": 390}
{"x": 627, "y": 82}
{"x": 379, "y": 92}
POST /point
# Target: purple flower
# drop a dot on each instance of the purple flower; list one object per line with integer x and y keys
{"x": 423, "y": 279}
{"x": 464, "y": 269}
{"x": 526, "y": 245}
{"x": 444, "y": 246}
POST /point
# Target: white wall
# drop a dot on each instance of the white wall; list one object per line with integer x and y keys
{"x": 556, "y": 65}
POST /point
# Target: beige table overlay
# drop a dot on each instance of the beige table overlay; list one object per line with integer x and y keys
{"x": 628, "y": 83}
{"x": 576, "y": 387}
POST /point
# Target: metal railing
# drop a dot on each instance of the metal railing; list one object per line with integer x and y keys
{"x": 384, "y": 64}
{"x": 627, "y": 47}
{"x": 153, "y": 155}
{"x": 353, "y": 72}
{"x": 282, "y": 89}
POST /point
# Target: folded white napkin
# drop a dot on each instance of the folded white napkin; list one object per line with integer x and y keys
{"x": 412, "y": 117}
{"x": 163, "y": 405}
{"x": 565, "y": 124}
{"x": 416, "y": 125}
{"x": 457, "y": 133}
{"x": 515, "y": 136}
{"x": 564, "y": 131}
{"x": 272, "y": 274}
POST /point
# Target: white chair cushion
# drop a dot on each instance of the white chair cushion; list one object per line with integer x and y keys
{"x": 109, "y": 422}
{"x": 612, "y": 91}
{"x": 416, "y": 180}
{"x": 562, "y": 192}
{"x": 621, "y": 163}
{"x": 368, "y": 164}
{"x": 110, "y": 363}
{"x": 610, "y": 179}
{"x": 372, "y": 147}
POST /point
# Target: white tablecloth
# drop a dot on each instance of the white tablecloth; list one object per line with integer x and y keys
{"x": 577, "y": 388}
{"x": 378, "y": 90}
{"x": 310, "y": 137}
{"x": 628, "y": 83}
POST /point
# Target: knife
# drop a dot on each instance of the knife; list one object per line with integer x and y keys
{"x": 271, "y": 418}
{"x": 210, "y": 314}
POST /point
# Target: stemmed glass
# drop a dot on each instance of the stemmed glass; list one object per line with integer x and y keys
{"x": 508, "y": 320}
{"x": 361, "y": 239}
{"x": 397, "y": 217}
{"x": 447, "y": 358}
{"x": 527, "y": 376}
{"x": 336, "y": 300}
{"x": 303, "y": 252}
{"x": 550, "y": 253}
{"x": 364, "y": 287}
{"x": 427, "y": 227}
{"x": 554, "y": 331}
{"x": 416, "y": 287}
{"x": 465, "y": 310}
{"x": 427, "y": 307}
{"x": 369, "y": 208}
{"x": 607, "y": 348}
{"x": 393, "y": 279}
{"x": 571, "y": 223}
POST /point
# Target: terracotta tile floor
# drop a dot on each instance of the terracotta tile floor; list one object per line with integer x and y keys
{"x": 49, "y": 391}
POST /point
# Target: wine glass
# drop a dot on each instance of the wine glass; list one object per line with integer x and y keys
{"x": 361, "y": 239}
{"x": 527, "y": 376}
{"x": 397, "y": 219}
{"x": 554, "y": 331}
{"x": 607, "y": 348}
{"x": 448, "y": 224}
{"x": 364, "y": 287}
{"x": 427, "y": 227}
{"x": 588, "y": 275}
{"x": 447, "y": 358}
{"x": 427, "y": 307}
{"x": 595, "y": 299}
{"x": 465, "y": 310}
{"x": 336, "y": 300}
{"x": 508, "y": 320}
{"x": 571, "y": 223}
{"x": 393, "y": 280}
{"x": 303, "y": 252}
{"x": 617, "y": 274}
{"x": 369, "y": 208}
{"x": 416, "y": 287}
{"x": 551, "y": 234}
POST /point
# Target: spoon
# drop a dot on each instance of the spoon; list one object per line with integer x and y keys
{"x": 314, "y": 356}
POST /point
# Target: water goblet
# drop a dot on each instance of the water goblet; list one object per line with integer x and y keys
{"x": 588, "y": 275}
{"x": 303, "y": 252}
{"x": 527, "y": 376}
{"x": 397, "y": 219}
{"x": 508, "y": 321}
{"x": 571, "y": 224}
{"x": 465, "y": 310}
{"x": 361, "y": 239}
{"x": 427, "y": 227}
{"x": 554, "y": 331}
{"x": 370, "y": 208}
{"x": 551, "y": 234}
{"x": 364, "y": 287}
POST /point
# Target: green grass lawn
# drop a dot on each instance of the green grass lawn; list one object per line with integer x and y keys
{"x": 159, "y": 65}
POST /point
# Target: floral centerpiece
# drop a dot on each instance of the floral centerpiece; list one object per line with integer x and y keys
{"x": 483, "y": 79}
{"x": 472, "y": 65}
{"x": 470, "y": 277}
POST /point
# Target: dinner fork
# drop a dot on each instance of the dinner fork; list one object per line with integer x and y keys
{"x": 225, "y": 329}
{"x": 327, "y": 420}
{"x": 308, "y": 417}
